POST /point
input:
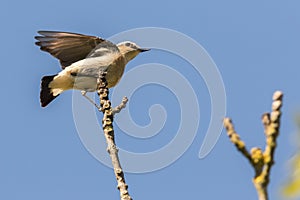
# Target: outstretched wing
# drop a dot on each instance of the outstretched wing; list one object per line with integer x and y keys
{"x": 67, "y": 47}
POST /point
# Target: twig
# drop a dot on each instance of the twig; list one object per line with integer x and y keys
{"x": 262, "y": 162}
{"x": 122, "y": 105}
{"x": 235, "y": 139}
{"x": 107, "y": 125}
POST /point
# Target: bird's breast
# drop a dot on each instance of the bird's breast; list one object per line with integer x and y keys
{"x": 86, "y": 72}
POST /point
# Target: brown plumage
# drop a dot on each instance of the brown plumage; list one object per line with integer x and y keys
{"x": 82, "y": 57}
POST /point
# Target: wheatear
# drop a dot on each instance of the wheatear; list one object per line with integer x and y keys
{"x": 82, "y": 58}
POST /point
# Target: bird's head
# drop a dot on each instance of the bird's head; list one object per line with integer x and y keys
{"x": 130, "y": 50}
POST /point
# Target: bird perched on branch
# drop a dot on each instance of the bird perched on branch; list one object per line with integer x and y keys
{"x": 82, "y": 58}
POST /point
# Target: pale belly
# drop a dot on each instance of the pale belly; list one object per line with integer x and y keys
{"x": 83, "y": 76}
{"x": 85, "y": 83}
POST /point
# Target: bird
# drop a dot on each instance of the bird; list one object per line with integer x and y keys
{"x": 82, "y": 58}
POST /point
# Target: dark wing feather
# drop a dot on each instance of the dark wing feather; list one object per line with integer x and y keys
{"x": 67, "y": 47}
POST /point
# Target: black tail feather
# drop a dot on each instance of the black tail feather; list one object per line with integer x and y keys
{"x": 46, "y": 96}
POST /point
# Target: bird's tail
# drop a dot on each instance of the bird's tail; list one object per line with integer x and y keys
{"x": 46, "y": 94}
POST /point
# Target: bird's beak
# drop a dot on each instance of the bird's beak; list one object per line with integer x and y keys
{"x": 144, "y": 49}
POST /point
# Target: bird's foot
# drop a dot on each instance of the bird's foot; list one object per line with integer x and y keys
{"x": 90, "y": 100}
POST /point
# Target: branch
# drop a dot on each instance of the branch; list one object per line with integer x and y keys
{"x": 236, "y": 140}
{"x": 121, "y": 106}
{"x": 271, "y": 125}
{"x": 262, "y": 162}
{"x": 107, "y": 125}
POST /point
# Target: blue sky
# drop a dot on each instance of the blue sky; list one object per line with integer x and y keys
{"x": 255, "y": 46}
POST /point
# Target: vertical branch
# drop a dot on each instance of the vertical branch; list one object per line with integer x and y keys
{"x": 272, "y": 132}
{"x": 271, "y": 124}
{"x": 107, "y": 125}
{"x": 261, "y": 162}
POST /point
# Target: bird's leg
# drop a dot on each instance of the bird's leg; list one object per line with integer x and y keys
{"x": 90, "y": 100}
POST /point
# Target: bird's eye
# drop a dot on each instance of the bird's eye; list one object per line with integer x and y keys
{"x": 127, "y": 44}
